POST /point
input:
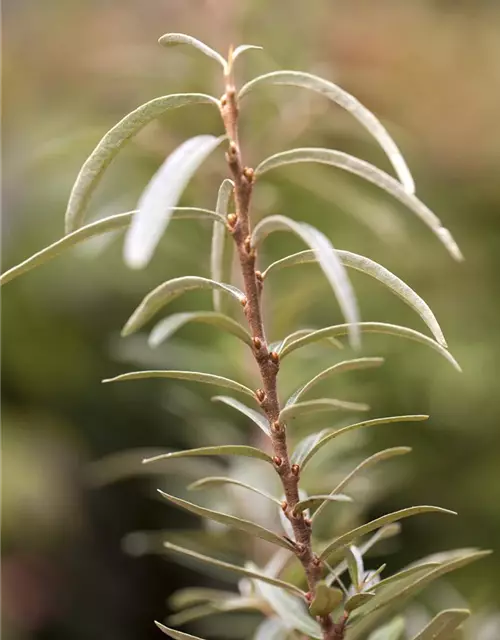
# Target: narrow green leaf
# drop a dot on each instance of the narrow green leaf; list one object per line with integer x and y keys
{"x": 312, "y": 501}
{"x": 244, "y": 47}
{"x": 321, "y": 404}
{"x": 369, "y": 327}
{"x": 415, "y": 570}
{"x": 392, "y": 631}
{"x": 168, "y": 291}
{"x": 371, "y": 174}
{"x": 377, "y": 271}
{"x": 248, "y": 573}
{"x": 231, "y": 521}
{"x": 280, "y": 344}
{"x": 191, "y": 596}
{"x": 365, "y": 117}
{"x": 195, "y": 376}
{"x": 168, "y": 326}
{"x": 356, "y": 533}
{"x": 258, "y": 418}
{"x": 221, "y": 254}
{"x": 442, "y": 625}
{"x": 358, "y": 600}
{"x": 116, "y": 138}
{"x": 332, "y": 435}
{"x": 340, "y": 367}
{"x": 325, "y": 600}
{"x": 355, "y": 565}
{"x": 176, "y": 635}
{"x": 161, "y": 194}
{"x": 305, "y": 446}
{"x": 173, "y": 39}
{"x": 327, "y": 259}
{"x": 271, "y": 629}
{"x": 218, "y": 480}
{"x": 386, "y": 454}
{"x": 218, "y": 450}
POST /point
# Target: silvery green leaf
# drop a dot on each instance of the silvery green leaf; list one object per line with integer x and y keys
{"x": 195, "y": 376}
{"x": 442, "y": 625}
{"x": 358, "y": 600}
{"x": 221, "y": 254}
{"x": 327, "y": 259}
{"x": 92, "y": 230}
{"x": 176, "y": 635}
{"x": 415, "y": 570}
{"x": 354, "y": 559}
{"x": 116, "y": 138}
{"x": 218, "y": 480}
{"x": 386, "y": 454}
{"x": 291, "y": 611}
{"x": 392, "y": 631}
{"x": 217, "y": 450}
{"x": 312, "y": 501}
{"x": 348, "y": 102}
{"x": 325, "y": 600}
{"x": 371, "y": 174}
{"x": 339, "y": 367}
{"x": 303, "y": 449}
{"x": 244, "y": 47}
{"x": 231, "y": 521}
{"x": 161, "y": 194}
{"x": 377, "y": 271}
{"x": 319, "y": 443}
{"x": 350, "y": 536}
{"x": 321, "y": 404}
{"x": 192, "y": 596}
{"x": 168, "y": 291}
{"x": 271, "y": 629}
{"x": 173, "y": 39}
{"x": 168, "y": 326}
{"x": 259, "y": 418}
{"x": 369, "y": 327}
{"x": 244, "y": 571}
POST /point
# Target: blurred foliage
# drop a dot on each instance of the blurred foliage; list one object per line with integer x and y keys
{"x": 71, "y": 69}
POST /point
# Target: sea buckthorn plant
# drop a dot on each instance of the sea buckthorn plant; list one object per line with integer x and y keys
{"x": 323, "y": 603}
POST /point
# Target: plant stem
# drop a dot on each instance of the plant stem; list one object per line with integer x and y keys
{"x": 268, "y": 362}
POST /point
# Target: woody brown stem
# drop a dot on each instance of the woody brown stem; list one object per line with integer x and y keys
{"x": 267, "y": 362}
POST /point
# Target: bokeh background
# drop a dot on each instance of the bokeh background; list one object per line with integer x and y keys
{"x": 73, "y": 489}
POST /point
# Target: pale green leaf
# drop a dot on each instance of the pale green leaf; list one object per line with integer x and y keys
{"x": 215, "y": 481}
{"x": 312, "y": 501}
{"x": 321, "y": 404}
{"x": 442, "y": 625}
{"x": 258, "y": 418}
{"x": 348, "y": 102}
{"x": 354, "y": 534}
{"x": 161, "y": 194}
{"x": 370, "y": 173}
{"x": 244, "y": 571}
{"x": 231, "y": 521}
{"x": 176, "y": 635}
{"x": 271, "y": 629}
{"x": 327, "y": 259}
{"x": 192, "y": 596}
{"x": 392, "y": 631}
{"x": 415, "y": 570}
{"x": 168, "y": 326}
{"x": 244, "y": 47}
{"x": 217, "y": 450}
{"x": 168, "y": 291}
{"x": 221, "y": 254}
{"x": 173, "y": 39}
{"x": 377, "y": 271}
{"x": 319, "y": 443}
{"x": 116, "y": 138}
{"x": 280, "y": 344}
{"x": 358, "y": 600}
{"x": 369, "y": 327}
{"x": 325, "y": 600}
{"x": 355, "y": 565}
{"x": 195, "y": 376}
{"x": 303, "y": 449}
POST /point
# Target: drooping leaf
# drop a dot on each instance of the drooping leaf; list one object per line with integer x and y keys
{"x": 173, "y": 39}
{"x": 244, "y": 571}
{"x": 371, "y": 174}
{"x": 161, "y": 194}
{"x": 217, "y": 450}
{"x": 348, "y": 102}
{"x": 195, "y": 376}
{"x": 377, "y": 271}
{"x": 358, "y": 600}
{"x": 258, "y": 418}
{"x": 354, "y": 534}
{"x": 244, "y": 47}
{"x": 271, "y": 629}
{"x": 355, "y": 565}
{"x": 369, "y": 327}
{"x": 94, "y": 229}
{"x": 280, "y": 344}
{"x": 168, "y": 291}
{"x": 176, "y": 635}
{"x": 327, "y": 259}
{"x": 339, "y": 367}
{"x": 168, "y": 326}
{"x": 116, "y": 138}
{"x": 319, "y": 443}
{"x": 386, "y": 454}
{"x": 442, "y": 625}
{"x": 392, "y": 631}
{"x": 321, "y": 404}
{"x": 221, "y": 254}
{"x": 303, "y": 449}
{"x": 231, "y": 521}
{"x": 312, "y": 501}
{"x": 212, "y": 481}
{"x": 325, "y": 600}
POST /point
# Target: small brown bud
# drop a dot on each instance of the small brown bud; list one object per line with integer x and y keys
{"x": 277, "y": 461}
{"x": 308, "y": 521}
{"x": 257, "y": 342}
{"x": 309, "y": 596}
{"x": 284, "y": 505}
{"x": 299, "y": 547}
{"x": 274, "y": 357}
{"x": 233, "y": 148}
{"x": 249, "y": 174}
{"x": 260, "y": 394}
{"x": 276, "y": 426}
{"x": 316, "y": 561}
{"x": 295, "y": 469}
{"x": 223, "y": 100}
{"x": 248, "y": 244}
{"x": 231, "y": 220}
{"x": 258, "y": 276}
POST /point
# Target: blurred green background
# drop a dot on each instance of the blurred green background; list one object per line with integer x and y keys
{"x": 73, "y": 488}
